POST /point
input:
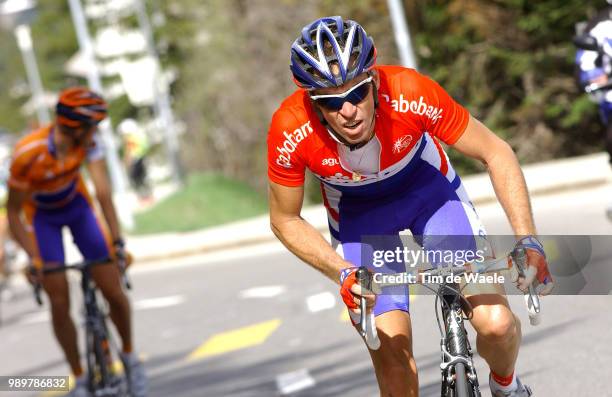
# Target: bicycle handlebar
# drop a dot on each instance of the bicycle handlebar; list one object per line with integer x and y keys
{"x": 531, "y": 298}
{"x": 594, "y": 87}
{"x": 80, "y": 266}
{"x": 516, "y": 258}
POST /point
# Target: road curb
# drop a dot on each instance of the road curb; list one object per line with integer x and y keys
{"x": 552, "y": 177}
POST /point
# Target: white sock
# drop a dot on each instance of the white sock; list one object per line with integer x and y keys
{"x": 130, "y": 357}
{"x": 80, "y": 380}
{"x": 496, "y": 386}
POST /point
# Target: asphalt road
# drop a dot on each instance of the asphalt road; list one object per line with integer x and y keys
{"x": 257, "y": 322}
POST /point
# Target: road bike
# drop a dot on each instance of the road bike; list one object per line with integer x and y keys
{"x": 459, "y": 378}
{"x": 102, "y": 378}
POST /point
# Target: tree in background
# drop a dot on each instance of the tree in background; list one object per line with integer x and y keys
{"x": 510, "y": 62}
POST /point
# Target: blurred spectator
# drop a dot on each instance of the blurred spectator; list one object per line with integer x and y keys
{"x": 135, "y": 149}
{"x": 8, "y": 249}
{"x": 594, "y": 68}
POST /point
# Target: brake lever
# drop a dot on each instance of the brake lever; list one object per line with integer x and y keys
{"x": 532, "y": 299}
{"x": 124, "y": 275}
{"x": 368, "y": 327}
{"x": 37, "y": 289}
{"x": 362, "y": 278}
{"x": 37, "y": 285}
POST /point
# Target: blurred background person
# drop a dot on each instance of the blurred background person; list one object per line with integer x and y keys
{"x": 46, "y": 193}
{"x": 9, "y": 252}
{"x": 135, "y": 145}
{"x": 594, "y": 67}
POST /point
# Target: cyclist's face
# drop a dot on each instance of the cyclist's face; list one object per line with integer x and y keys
{"x": 80, "y": 136}
{"x": 354, "y": 121}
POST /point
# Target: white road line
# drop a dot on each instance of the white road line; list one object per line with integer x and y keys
{"x": 291, "y": 382}
{"x": 212, "y": 258}
{"x": 157, "y": 303}
{"x": 322, "y": 301}
{"x": 262, "y": 292}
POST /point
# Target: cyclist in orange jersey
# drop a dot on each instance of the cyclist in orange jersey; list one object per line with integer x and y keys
{"x": 46, "y": 193}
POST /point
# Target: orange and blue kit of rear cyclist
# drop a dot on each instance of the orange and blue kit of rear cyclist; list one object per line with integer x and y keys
{"x": 58, "y": 197}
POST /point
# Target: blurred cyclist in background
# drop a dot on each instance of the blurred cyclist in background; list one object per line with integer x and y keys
{"x": 135, "y": 150}
{"x": 371, "y": 134}
{"x": 47, "y": 193}
{"x": 8, "y": 249}
{"x": 594, "y": 68}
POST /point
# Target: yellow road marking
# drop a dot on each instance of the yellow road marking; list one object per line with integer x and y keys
{"x": 241, "y": 338}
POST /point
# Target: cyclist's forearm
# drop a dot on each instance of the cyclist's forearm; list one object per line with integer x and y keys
{"x": 20, "y": 234}
{"x": 110, "y": 215}
{"x": 511, "y": 190}
{"x": 308, "y": 244}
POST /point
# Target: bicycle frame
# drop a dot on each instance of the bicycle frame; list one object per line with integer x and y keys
{"x": 96, "y": 340}
{"x": 459, "y": 376}
{"x": 101, "y": 379}
{"x": 454, "y": 343}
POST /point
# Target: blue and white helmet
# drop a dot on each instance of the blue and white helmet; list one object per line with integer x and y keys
{"x": 331, "y": 52}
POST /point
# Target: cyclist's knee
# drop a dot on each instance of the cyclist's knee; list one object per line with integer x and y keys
{"x": 56, "y": 287}
{"x": 60, "y": 306}
{"x": 396, "y": 369}
{"x": 498, "y": 324}
{"x": 114, "y": 295}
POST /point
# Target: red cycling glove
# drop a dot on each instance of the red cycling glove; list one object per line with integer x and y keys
{"x": 536, "y": 258}
{"x": 348, "y": 278}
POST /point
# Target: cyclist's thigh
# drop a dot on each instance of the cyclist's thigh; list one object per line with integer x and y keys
{"x": 108, "y": 279}
{"x": 448, "y": 221}
{"x": 47, "y": 237}
{"x": 88, "y": 232}
{"x": 364, "y": 229}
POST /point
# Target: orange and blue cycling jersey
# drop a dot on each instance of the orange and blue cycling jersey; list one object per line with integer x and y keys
{"x": 57, "y": 196}
{"x": 401, "y": 179}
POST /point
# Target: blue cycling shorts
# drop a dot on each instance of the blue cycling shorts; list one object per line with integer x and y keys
{"x": 426, "y": 197}
{"x": 79, "y": 216}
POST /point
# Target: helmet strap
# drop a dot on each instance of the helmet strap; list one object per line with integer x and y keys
{"x": 374, "y": 91}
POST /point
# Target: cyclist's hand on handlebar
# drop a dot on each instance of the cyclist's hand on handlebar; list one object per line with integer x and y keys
{"x": 123, "y": 257}
{"x": 33, "y": 271}
{"x": 351, "y": 291}
{"x": 537, "y": 266}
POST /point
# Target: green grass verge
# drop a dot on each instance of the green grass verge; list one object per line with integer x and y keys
{"x": 206, "y": 200}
